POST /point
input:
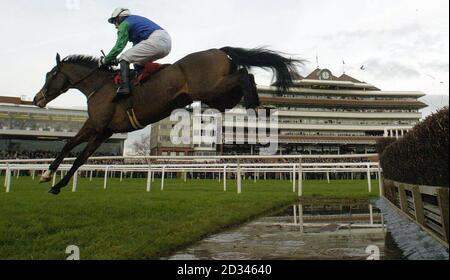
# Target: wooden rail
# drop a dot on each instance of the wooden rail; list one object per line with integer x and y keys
{"x": 426, "y": 206}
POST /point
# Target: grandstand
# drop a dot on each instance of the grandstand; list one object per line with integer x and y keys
{"x": 321, "y": 114}
{"x": 30, "y": 132}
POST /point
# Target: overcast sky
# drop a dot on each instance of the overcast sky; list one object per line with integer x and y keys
{"x": 404, "y": 44}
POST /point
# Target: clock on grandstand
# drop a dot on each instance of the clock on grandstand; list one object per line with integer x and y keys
{"x": 325, "y": 75}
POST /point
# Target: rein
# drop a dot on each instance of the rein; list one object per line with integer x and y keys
{"x": 74, "y": 84}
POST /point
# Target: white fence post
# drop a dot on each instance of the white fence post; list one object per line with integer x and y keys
{"x": 300, "y": 179}
{"x": 294, "y": 175}
{"x": 225, "y": 178}
{"x": 239, "y": 178}
{"x": 369, "y": 180}
{"x": 90, "y": 176}
{"x": 106, "y": 178}
{"x": 380, "y": 180}
{"x": 6, "y": 176}
{"x": 8, "y": 179}
{"x": 33, "y": 174}
{"x": 163, "y": 174}
{"x": 54, "y": 179}
{"x": 75, "y": 181}
{"x": 149, "y": 178}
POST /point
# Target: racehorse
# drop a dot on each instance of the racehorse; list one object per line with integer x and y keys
{"x": 216, "y": 77}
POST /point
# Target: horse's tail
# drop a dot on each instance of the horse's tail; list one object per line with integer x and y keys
{"x": 284, "y": 68}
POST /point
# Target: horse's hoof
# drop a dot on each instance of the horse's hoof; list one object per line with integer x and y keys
{"x": 45, "y": 180}
{"x": 54, "y": 191}
{"x": 46, "y": 176}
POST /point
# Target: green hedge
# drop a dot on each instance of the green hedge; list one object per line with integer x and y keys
{"x": 421, "y": 157}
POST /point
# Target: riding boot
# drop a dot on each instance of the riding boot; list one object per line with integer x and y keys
{"x": 124, "y": 89}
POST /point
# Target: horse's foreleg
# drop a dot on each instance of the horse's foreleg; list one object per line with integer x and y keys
{"x": 82, "y": 136}
{"x": 94, "y": 142}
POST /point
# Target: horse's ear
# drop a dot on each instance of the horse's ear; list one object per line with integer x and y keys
{"x": 58, "y": 59}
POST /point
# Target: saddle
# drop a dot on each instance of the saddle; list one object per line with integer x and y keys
{"x": 141, "y": 77}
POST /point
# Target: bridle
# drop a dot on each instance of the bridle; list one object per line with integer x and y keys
{"x": 71, "y": 83}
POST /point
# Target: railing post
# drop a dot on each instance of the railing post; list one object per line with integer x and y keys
{"x": 300, "y": 179}
{"x": 369, "y": 179}
{"x": 225, "y": 178}
{"x": 106, "y": 178}
{"x": 149, "y": 178}
{"x": 403, "y": 199}
{"x": 33, "y": 174}
{"x": 294, "y": 175}
{"x": 418, "y": 205}
{"x": 54, "y": 179}
{"x": 90, "y": 176}
{"x": 163, "y": 174}
{"x": 8, "y": 179}
{"x": 239, "y": 178}
{"x": 380, "y": 182}
{"x": 75, "y": 181}
{"x": 443, "y": 207}
{"x": 6, "y": 176}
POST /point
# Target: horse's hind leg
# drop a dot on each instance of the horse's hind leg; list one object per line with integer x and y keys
{"x": 231, "y": 90}
{"x": 254, "y": 92}
{"x": 248, "y": 87}
{"x": 227, "y": 100}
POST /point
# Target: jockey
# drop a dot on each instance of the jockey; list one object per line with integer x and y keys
{"x": 150, "y": 42}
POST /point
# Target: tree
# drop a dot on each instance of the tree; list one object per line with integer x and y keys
{"x": 141, "y": 147}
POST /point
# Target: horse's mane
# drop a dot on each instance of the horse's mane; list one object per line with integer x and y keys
{"x": 85, "y": 60}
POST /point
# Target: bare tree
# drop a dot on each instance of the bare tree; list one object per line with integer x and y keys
{"x": 141, "y": 147}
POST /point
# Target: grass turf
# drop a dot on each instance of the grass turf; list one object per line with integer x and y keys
{"x": 126, "y": 222}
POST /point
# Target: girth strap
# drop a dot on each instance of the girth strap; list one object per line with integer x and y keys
{"x": 132, "y": 115}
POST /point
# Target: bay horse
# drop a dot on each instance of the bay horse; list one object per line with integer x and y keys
{"x": 216, "y": 77}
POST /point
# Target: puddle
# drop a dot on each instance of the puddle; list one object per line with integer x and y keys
{"x": 310, "y": 230}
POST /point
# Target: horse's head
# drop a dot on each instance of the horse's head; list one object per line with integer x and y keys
{"x": 56, "y": 83}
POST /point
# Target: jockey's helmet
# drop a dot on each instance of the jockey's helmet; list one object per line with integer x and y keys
{"x": 119, "y": 12}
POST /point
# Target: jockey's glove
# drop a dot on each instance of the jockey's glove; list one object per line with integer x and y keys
{"x": 103, "y": 62}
